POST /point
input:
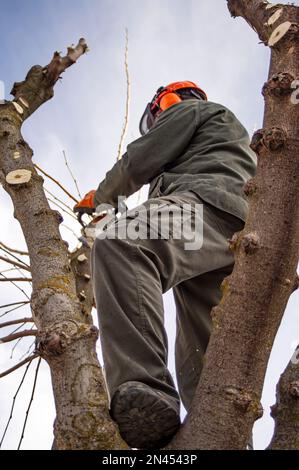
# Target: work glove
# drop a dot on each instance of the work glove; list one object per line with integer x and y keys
{"x": 87, "y": 204}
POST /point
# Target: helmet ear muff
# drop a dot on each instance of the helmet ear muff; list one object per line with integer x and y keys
{"x": 168, "y": 100}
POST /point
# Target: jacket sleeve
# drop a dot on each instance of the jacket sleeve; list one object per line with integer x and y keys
{"x": 147, "y": 156}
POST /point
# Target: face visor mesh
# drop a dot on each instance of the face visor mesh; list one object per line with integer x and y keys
{"x": 147, "y": 120}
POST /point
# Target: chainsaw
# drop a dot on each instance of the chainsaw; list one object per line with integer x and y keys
{"x": 100, "y": 221}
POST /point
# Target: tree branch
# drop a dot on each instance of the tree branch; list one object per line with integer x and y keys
{"x": 15, "y": 263}
{"x": 126, "y": 121}
{"x": 16, "y": 322}
{"x": 56, "y": 182}
{"x": 20, "y": 364}
{"x": 18, "y": 287}
{"x": 22, "y": 302}
{"x": 18, "y": 305}
{"x": 13, "y": 403}
{"x": 71, "y": 173}
{"x": 60, "y": 201}
{"x": 270, "y": 21}
{"x": 13, "y": 250}
{"x": 21, "y": 334}
{"x": 30, "y": 402}
{"x": 14, "y": 256}
{"x": 16, "y": 279}
{"x": 43, "y": 79}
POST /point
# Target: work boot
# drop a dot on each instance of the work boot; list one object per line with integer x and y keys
{"x": 147, "y": 418}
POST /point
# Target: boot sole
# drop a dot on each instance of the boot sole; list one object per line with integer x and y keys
{"x": 146, "y": 419}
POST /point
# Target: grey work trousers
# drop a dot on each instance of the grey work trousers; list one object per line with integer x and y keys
{"x": 129, "y": 278}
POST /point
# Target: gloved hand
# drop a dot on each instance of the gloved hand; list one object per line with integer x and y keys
{"x": 87, "y": 205}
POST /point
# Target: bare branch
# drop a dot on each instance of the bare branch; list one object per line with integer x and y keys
{"x": 13, "y": 250}
{"x": 262, "y": 17}
{"x": 20, "y": 364}
{"x": 16, "y": 344}
{"x": 15, "y": 308}
{"x": 13, "y": 403}
{"x": 21, "y": 334}
{"x": 59, "y": 200}
{"x": 126, "y": 121}
{"x": 30, "y": 402}
{"x": 13, "y": 256}
{"x": 61, "y": 208}
{"x": 15, "y": 303}
{"x": 15, "y": 263}
{"x": 56, "y": 182}
{"x": 28, "y": 350}
{"x": 16, "y": 279}
{"x": 16, "y": 322}
{"x": 59, "y": 64}
{"x": 71, "y": 173}
{"x": 8, "y": 270}
{"x": 71, "y": 230}
{"x": 1, "y": 274}
{"x": 18, "y": 328}
{"x": 37, "y": 88}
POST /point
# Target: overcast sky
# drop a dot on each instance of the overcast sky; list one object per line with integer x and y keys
{"x": 169, "y": 40}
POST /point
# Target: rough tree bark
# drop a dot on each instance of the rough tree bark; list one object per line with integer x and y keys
{"x": 62, "y": 298}
{"x": 255, "y": 295}
{"x": 286, "y": 410}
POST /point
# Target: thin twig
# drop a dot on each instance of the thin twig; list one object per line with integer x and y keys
{"x": 17, "y": 366}
{"x": 71, "y": 230}
{"x": 21, "y": 272}
{"x": 15, "y": 263}
{"x": 22, "y": 334}
{"x": 15, "y": 303}
{"x": 15, "y": 347}
{"x": 56, "y": 182}
{"x": 13, "y": 403}
{"x": 13, "y": 256}
{"x": 17, "y": 343}
{"x": 59, "y": 200}
{"x": 16, "y": 322}
{"x": 61, "y": 208}
{"x": 18, "y": 328}
{"x": 71, "y": 173}
{"x": 126, "y": 121}
{"x": 28, "y": 350}
{"x": 18, "y": 287}
{"x": 13, "y": 250}
{"x": 16, "y": 279}
{"x": 8, "y": 270}
{"x": 30, "y": 402}
{"x": 15, "y": 308}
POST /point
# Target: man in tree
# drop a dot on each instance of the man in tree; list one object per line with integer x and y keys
{"x": 192, "y": 151}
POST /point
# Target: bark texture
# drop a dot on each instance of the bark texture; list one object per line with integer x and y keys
{"x": 62, "y": 297}
{"x": 255, "y": 295}
{"x": 286, "y": 410}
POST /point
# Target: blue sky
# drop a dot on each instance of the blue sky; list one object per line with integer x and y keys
{"x": 169, "y": 40}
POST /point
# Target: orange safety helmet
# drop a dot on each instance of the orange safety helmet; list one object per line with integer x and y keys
{"x": 167, "y": 96}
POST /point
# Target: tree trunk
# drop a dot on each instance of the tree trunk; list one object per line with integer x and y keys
{"x": 286, "y": 410}
{"x": 255, "y": 295}
{"x": 62, "y": 297}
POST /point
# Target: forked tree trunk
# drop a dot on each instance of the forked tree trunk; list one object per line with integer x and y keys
{"x": 62, "y": 297}
{"x": 255, "y": 295}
